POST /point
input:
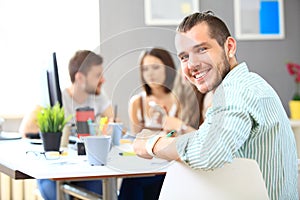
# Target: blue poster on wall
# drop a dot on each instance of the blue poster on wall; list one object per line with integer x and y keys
{"x": 269, "y": 17}
{"x": 259, "y": 19}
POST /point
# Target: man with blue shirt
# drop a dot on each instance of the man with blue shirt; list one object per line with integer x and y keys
{"x": 246, "y": 118}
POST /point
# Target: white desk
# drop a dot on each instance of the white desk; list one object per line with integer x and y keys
{"x": 15, "y": 163}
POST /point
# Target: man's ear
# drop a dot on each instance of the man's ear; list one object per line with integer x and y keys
{"x": 230, "y": 47}
{"x": 79, "y": 77}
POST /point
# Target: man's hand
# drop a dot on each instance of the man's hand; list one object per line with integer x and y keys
{"x": 163, "y": 147}
{"x": 139, "y": 144}
{"x": 171, "y": 123}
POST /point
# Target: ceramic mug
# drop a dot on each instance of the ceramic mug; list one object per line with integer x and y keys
{"x": 97, "y": 149}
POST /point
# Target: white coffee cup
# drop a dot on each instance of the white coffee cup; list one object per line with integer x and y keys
{"x": 97, "y": 149}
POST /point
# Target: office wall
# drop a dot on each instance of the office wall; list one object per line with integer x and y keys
{"x": 123, "y": 34}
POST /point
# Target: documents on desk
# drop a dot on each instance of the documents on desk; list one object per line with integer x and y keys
{"x": 133, "y": 164}
{"x": 74, "y": 166}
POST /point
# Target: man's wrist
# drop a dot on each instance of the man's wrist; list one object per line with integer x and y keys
{"x": 151, "y": 143}
{"x": 183, "y": 128}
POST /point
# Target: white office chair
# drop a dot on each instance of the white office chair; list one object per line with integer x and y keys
{"x": 242, "y": 179}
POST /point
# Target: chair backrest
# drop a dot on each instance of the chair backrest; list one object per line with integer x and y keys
{"x": 242, "y": 179}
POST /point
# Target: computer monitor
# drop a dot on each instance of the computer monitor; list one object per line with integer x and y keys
{"x": 53, "y": 82}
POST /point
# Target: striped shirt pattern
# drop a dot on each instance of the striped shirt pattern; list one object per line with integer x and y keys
{"x": 246, "y": 120}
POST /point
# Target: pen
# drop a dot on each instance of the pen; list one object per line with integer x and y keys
{"x": 170, "y": 133}
{"x": 127, "y": 154}
{"x": 116, "y": 112}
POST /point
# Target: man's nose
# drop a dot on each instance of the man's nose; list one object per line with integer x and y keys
{"x": 192, "y": 65}
{"x": 102, "y": 79}
{"x": 193, "y": 62}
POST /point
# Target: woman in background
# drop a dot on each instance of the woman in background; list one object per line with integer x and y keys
{"x": 149, "y": 109}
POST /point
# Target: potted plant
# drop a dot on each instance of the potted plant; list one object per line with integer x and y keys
{"x": 51, "y": 121}
{"x": 294, "y": 104}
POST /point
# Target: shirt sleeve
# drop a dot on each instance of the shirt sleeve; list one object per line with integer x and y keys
{"x": 217, "y": 140}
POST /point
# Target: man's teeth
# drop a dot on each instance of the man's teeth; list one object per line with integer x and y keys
{"x": 199, "y": 75}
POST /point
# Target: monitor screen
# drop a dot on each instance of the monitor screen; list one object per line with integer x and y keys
{"x": 53, "y": 82}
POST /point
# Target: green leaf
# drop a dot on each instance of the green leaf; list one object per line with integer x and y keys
{"x": 52, "y": 119}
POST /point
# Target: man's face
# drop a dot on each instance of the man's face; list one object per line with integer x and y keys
{"x": 203, "y": 60}
{"x": 94, "y": 80}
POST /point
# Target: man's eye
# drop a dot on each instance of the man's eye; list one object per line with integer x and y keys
{"x": 184, "y": 58}
{"x": 201, "y": 49}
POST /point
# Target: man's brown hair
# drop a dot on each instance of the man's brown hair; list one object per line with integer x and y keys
{"x": 217, "y": 28}
{"x": 82, "y": 62}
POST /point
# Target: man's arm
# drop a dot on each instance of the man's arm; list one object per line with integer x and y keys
{"x": 164, "y": 147}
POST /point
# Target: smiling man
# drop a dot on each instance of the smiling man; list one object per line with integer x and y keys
{"x": 246, "y": 118}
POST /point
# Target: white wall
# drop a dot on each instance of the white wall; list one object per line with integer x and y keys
{"x": 123, "y": 32}
{"x": 29, "y": 32}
